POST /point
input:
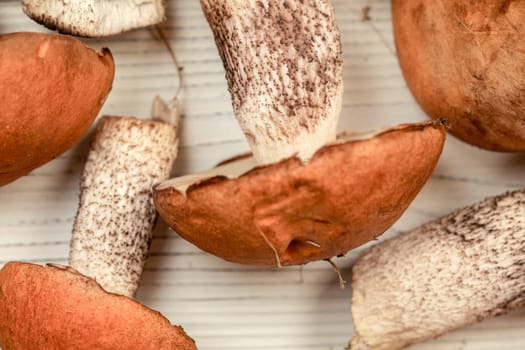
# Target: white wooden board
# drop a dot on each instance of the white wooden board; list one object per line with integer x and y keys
{"x": 225, "y": 306}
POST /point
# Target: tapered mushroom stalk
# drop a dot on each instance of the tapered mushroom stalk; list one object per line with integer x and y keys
{"x": 283, "y": 65}
{"x": 113, "y": 228}
{"x": 95, "y": 18}
{"x": 449, "y": 273}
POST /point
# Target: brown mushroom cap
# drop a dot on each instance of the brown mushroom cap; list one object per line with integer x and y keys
{"x": 465, "y": 61}
{"x": 55, "y": 307}
{"x": 52, "y": 88}
{"x": 292, "y": 213}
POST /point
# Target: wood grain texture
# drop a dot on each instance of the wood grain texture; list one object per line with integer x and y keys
{"x": 223, "y": 305}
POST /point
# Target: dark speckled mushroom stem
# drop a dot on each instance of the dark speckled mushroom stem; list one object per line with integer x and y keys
{"x": 113, "y": 228}
{"x": 283, "y": 63}
{"x": 447, "y": 274}
{"x": 95, "y": 18}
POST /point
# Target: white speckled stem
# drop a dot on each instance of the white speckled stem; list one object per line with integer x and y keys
{"x": 449, "y": 273}
{"x": 113, "y": 228}
{"x": 283, "y": 63}
{"x": 95, "y": 18}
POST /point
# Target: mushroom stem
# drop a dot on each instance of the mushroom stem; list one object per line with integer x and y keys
{"x": 283, "y": 63}
{"x": 114, "y": 223}
{"x": 95, "y": 18}
{"x": 444, "y": 275}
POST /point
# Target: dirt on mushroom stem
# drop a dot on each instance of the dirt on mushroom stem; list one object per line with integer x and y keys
{"x": 127, "y": 158}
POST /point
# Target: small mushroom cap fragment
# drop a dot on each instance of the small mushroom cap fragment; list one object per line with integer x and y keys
{"x": 55, "y": 307}
{"x": 95, "y": 18}
{"x": 292, "y": 213}
{"x": 52, "y": 88}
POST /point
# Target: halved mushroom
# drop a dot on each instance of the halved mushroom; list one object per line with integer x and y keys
{"x": 304, "y": 195}
{"x": 55, "y": 307}
{"x": 95, "y": 18}
{"x": 52, "y": 88}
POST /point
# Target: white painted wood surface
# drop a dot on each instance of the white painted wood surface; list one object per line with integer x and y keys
{"x": 223, "y": 305}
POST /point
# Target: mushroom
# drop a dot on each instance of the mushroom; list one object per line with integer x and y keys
{"x": 304, "y": 195}
{"x": 113, "y": 227}
{"x": 464, "y": 61}
{"x": 55, "y": 307}
{"x": 283, "y": 65}
{"x": 89, "y": 305}
{"x": 449, "y": 273}
{"x": 95, "y": 18}
{"x": 52, "y": 87}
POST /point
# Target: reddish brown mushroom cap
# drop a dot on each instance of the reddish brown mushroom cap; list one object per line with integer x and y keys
{"x": 57, "y": 308}
{"x": 465, "y": 61}
{"x": 52, "y": 87}
{"x": 293, "y": 213}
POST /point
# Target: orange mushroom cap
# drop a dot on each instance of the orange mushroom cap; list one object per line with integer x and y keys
{"x": 55, "y": 307}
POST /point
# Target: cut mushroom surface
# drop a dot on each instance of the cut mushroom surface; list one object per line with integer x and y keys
{"x": 95, "y": 18}
{"x": 53, "y": 307}
{"x": 292, "y": 212}
{"x": 444, "y": 275}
